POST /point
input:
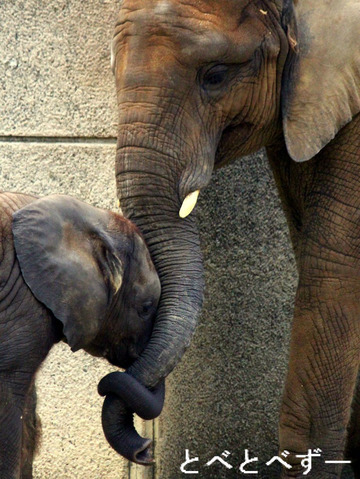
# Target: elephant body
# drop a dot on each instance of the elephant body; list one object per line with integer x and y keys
{"x": 322, "y": 211}
{"x": 29, "y": 338}
{"x": 202, "y": 83}
{"x": 68, "y": 271}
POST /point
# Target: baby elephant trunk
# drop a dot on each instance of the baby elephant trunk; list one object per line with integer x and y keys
{"x": 125, "y": 396}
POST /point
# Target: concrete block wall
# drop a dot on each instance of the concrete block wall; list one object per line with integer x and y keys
{"x": 57, "y": 134}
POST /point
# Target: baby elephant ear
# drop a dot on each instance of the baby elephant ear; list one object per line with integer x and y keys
{"x": 323, "y": 92}
{"x": 68, "y": 260}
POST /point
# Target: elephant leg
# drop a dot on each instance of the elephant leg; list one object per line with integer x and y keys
{"x": 353, "y": 440}
{"x": 11, "y": 422}
{"x": 30, "y": 434}
{"x": 323, "y": 367}
{"x": 322, "y": 207}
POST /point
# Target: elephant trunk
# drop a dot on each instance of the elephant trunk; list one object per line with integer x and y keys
{"x": 149, "y": 193}
{"x": 125, "y": 395}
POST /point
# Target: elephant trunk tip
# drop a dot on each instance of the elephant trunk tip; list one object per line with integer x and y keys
{"x": 124, "y": 395}
{"x": 143, "y": 455}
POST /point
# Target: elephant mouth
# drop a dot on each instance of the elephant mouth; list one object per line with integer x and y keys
{"x": 122, "y": 362}
{"x": 123, "y": 355}
{"x": 243, "y": 132}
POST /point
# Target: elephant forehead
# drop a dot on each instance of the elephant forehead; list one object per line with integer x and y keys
{"x": 204, "y": 29}
{"x": 213, "y": 11}
{"x": 168, "y": 17}
{"x": 164, "y": 7}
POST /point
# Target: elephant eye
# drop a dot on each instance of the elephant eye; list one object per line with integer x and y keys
{"x": 147, "y": 309}
{"x": 215, "y": 77}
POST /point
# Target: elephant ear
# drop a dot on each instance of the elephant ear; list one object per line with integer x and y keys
{"x": 69, "y": 262}
{"x": 323, "y": 93}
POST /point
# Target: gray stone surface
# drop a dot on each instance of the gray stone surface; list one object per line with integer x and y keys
{"x": 83, "y": 170}
{"x": 55, "y": 76}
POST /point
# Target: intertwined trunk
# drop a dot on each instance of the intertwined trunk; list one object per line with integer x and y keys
{"x": 148, "y": 189}
{"x": 154, "y": 173}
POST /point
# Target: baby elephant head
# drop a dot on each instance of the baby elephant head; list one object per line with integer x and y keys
{"x": 92, "y": 269}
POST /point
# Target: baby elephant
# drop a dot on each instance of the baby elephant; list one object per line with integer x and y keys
{"x": 71, "y": 272}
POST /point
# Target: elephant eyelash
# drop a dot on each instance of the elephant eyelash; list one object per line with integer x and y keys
{"x": 228, "y": 72}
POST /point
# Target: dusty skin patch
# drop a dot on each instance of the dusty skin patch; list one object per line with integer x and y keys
{"x": 163, "y": 8}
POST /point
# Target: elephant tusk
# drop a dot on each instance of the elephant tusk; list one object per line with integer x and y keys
{"x": 112, "y": 57}
{"x": 189, "y": 204}
{"x": 119, "y": 206}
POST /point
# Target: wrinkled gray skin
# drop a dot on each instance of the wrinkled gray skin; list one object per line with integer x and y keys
{"x": 67, "y": 271}
{"x": 203, "y": 82}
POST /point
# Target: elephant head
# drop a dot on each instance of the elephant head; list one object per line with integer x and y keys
{"x": 200, "y": 83}
{"x": 92, "y": 269}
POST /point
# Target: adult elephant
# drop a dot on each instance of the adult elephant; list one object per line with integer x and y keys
{"x": 200, "y": 83}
